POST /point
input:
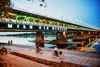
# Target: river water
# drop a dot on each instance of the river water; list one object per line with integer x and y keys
{"x": 25, "y": 40}
{"x": 96, "y": 45}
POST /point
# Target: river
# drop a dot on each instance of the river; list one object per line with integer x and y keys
{"x": 25, "y": 40}
{"x": 96, "y": 45}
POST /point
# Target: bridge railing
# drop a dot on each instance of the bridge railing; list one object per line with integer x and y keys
{"x": 13, "y": 21}
{"x": 40, "y": 24}
{"x": 26, "y": 22}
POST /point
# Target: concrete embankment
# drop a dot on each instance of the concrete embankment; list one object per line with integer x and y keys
{"x": 10, "y": 60}
{"x": 71, "y": 59}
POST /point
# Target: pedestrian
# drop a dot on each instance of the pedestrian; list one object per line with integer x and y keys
{"x": 8, "y": 42}
{"x": 11, "y": 42}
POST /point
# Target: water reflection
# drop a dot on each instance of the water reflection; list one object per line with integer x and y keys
{"x": 23, "y": 40}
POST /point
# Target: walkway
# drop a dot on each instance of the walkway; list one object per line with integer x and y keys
{"x": 15, "y": 61}
{"x": 71, "y": 57}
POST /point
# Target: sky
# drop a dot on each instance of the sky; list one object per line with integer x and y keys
{"x": 83, "y": 12}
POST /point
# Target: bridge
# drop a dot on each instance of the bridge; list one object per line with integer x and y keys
{"x": 23, "y": 21}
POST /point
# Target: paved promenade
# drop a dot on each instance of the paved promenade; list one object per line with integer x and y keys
{"x": 10, "y": 60}
{"x": 72, "y": 57}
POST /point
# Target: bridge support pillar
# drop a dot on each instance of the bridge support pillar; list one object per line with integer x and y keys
{"x": 61, "y": 38}
{"x": 39, "y": 39}
{"x": 89, "y": 37}
{"x": 96, "y": 35}
{"x": 82, "y": 36}
{"x": 93, "y": 35}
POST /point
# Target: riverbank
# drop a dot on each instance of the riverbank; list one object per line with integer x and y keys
{"x": 71, "y": 59}
{"x": 82, "y": 49}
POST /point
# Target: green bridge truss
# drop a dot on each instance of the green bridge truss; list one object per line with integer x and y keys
{"x": 22, "y": 17}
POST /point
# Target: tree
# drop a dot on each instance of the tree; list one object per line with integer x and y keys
{"x": 42, "y": 3}
{"x": 5, "y": 7}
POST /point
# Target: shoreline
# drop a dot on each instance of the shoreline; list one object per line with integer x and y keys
{"x": 51, "y": 49}
{"x": 96, "y": 46}
{"x": 32, "y": 47}
{"x": 45, "y": 58}
{"x": 95, "y": 43}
